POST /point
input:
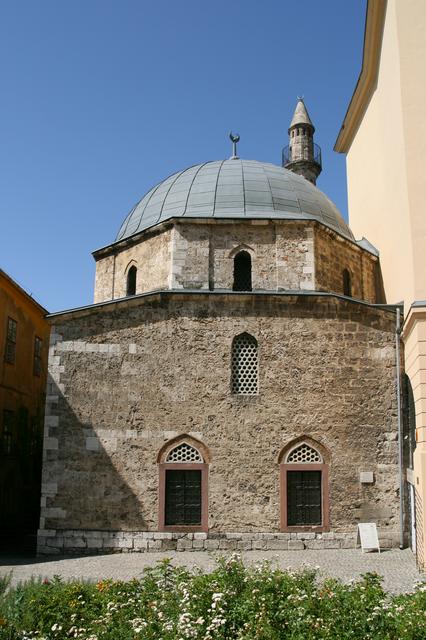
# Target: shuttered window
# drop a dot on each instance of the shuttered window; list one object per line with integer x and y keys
{"x": 304, "y": 498}
{"x": 183, "y": 497}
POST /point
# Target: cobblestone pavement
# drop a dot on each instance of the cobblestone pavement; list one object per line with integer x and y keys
{"x": 397, "y": 567}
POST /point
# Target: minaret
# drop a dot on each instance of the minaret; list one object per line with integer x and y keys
{"x": 302, "y": 155}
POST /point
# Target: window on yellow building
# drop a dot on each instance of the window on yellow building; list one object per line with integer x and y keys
{"x": 10, "y": 350}
{"x": 7, "y": 432}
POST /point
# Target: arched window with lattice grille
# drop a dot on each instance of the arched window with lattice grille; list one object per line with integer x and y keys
{"x": 244, "y": 367}
{"x": 183, "y": 487}
{"x": 304, "y": 489}
{"x": 184, "y": 452}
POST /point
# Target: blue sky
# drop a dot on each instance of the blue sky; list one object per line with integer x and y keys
{"x": 102, "y": 99}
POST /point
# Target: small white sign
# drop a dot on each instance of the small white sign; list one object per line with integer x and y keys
{"x": 367, "y": 533}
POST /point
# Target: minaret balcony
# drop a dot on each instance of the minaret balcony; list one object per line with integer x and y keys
{"x": 311, "y": 153}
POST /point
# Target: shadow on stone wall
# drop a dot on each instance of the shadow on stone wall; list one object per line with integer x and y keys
{"x": 82, "y": 484}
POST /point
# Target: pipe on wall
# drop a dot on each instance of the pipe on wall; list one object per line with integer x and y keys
{"x": 400, "y": 440}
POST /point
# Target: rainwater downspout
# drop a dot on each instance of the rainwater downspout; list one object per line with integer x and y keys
{"x": 400, "y": 441}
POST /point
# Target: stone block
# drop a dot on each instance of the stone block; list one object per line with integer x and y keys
{"x": 277, "y": 545}
{"x": 74, "y": 542}
{"x": 94, "y": 543}
{"x": 211, "y": 545}
{"x": 228, "y": 545}
{"x": 46, "y": 533}
{"x": 184, "y": 544}
{"x": 295, "y": 545}
{"x": 92, "y": 443}
{"x": 198, "y": 544}
{"x": 54, "y": 512}
{"x": 331, "y": 544}
{"x": 154, "y": 545}
{"x": 140, "y": 544}
{"x": 306, "y": 536}
{"x": 244, "y": 545}
{"x": 50, "y": 444}
{"x": 314, "y": 544}
{"x": 200, "y": 535}
{"x": 260, "y": 545}
{"x": 162, "y": 535}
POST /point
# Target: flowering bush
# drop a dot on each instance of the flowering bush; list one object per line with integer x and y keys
{"x": 232, "y": 602}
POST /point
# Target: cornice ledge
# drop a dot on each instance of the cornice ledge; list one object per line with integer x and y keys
{"x": 365, "y": 87}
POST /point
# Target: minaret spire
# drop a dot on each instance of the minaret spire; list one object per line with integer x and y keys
{"x": 302, "y": 155}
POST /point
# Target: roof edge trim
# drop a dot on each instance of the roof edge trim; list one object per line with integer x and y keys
{"x": 367, "y": 80}
{"x": 159, "y": 226}
{"x": 22, "y": 291}
{"x": 133, "y": 300}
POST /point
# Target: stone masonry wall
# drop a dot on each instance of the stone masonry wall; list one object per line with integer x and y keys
{"x": 334, "y": 254}
{"x": 282, "y": 254}
{"x": 151, "y": 257}
{"x": 286, "y": 255}
{"x": 127, "y": 378}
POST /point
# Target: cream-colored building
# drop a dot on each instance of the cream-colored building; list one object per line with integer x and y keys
{"x": 384, "y": 138}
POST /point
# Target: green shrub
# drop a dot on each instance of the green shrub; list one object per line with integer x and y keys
{"x": 233, "y": 602}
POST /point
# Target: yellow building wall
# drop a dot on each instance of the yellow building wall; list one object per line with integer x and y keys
{"x": 386, "y": 165}
{"x": 377, "y": 173}
{"x": 23, "y": 393}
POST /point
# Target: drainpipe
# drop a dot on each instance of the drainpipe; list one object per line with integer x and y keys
{"x": 400, "y": 441}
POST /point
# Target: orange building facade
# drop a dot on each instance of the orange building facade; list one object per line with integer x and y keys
{"x": 24, "y": 340}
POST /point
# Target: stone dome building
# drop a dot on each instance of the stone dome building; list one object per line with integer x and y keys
{"x": 233, "y": 384}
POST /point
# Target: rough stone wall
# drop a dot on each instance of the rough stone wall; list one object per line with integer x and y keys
{"x": 286, "y": 255}
{"x": 333, "y": 255}
{"x": 151, "y": 257}
{"x": 127, "y": 379}
{"x": 282, "y": 254}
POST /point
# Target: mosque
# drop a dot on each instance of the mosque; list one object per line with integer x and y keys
{"x": 234, "y": 384}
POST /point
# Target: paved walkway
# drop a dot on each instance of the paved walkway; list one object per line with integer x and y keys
{"x": 397, "y": 567}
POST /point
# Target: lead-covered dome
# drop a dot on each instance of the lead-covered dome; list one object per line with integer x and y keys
{"x": 233, "y": 189}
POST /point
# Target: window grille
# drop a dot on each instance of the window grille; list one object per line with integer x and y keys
{"x": 10, "y": 350}
{"x": 304, "y": 454}
{"x": 131, "y": 281}
{"x": 244, "y": 365}
{"x": 242, "y": 272}
{"x": 37, "y": 356}
{"x": 7, "y": 432}
{"x": 184, "y": 453}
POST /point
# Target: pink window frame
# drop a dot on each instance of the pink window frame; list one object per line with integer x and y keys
{"x": 166, "y": 466}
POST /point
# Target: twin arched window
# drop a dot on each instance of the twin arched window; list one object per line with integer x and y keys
{"x": 184, "y": 488}
{"x": 131, "y": 281}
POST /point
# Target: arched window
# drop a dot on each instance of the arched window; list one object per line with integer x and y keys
{"x": 409, "y": 421}
{"x": 304, "y": 489}
{"x": 242, "y": 272}
{"x": 244, "y": 377}
{"x": 131, "y": 281}
{"x": 347, "y": 283}
{"x": 183, "y": 488}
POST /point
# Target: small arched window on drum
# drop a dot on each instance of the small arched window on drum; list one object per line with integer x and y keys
{"x": 131, "y": 281}
{"x": 347, "y": 283}
{"x": 242, "y": 272}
